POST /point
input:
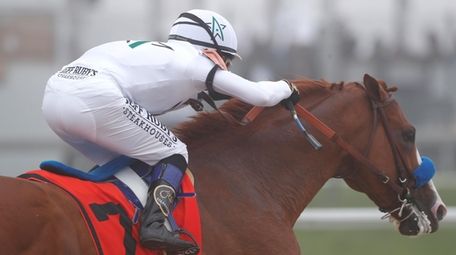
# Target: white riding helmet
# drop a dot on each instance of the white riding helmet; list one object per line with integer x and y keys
{"x": 207, "y": 29}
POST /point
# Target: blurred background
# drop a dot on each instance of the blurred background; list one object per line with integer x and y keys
{"x": 408, "y": 43}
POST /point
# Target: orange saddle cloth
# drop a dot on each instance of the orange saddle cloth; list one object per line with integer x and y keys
{"x": 107, "y": 211}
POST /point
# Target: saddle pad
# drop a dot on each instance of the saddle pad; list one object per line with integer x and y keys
{"x": 107, "y": 211}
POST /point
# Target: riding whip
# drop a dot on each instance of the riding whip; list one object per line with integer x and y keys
{"x": 309, "y": 137}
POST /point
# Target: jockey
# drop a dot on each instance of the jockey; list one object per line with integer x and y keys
{"x": 105, "y": 104}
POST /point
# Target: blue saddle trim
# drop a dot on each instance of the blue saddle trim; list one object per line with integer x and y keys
{"x": 98, "y": 174}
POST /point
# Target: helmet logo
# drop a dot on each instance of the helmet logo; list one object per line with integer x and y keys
{"x": 217, "y": 28}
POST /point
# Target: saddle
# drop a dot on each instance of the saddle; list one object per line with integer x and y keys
{"x": 123, "y": 171}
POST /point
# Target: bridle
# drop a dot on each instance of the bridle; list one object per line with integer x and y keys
{"x": 403, "y": 186}
{"x": 403, "y": 189}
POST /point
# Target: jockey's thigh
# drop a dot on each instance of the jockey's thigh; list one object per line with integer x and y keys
{"x": 95, "y": 118}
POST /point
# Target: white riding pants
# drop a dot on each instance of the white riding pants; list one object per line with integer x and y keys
{"x": 93, "y": 116}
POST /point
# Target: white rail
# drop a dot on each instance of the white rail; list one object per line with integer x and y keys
{"x": 343, "y": 218}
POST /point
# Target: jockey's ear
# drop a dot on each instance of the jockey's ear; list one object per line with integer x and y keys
{"x": 375, "y": 89}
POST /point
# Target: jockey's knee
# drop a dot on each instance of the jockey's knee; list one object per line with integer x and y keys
{"x": 178, "y": 160}
{"x": 181, "y": 149}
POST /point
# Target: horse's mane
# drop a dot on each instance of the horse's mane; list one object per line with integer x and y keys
{"x": 212, "y": 122}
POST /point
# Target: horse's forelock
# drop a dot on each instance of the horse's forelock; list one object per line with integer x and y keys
{"x": 378, "y": 89}
{"x": 387, "y": 91}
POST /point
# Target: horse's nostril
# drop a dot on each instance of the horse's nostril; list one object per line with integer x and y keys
{"x": 441, "y": 212}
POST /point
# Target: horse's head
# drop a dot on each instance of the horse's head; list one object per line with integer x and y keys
{"x": 401, "y": 182}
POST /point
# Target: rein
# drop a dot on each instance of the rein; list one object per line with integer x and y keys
{"x": 350, "y": 149}
{"x": 330, "y": 134}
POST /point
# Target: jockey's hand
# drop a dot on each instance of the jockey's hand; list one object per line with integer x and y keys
{"x": 293, "y": 98}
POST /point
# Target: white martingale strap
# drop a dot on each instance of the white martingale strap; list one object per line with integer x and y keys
{"x": 418, "y": 157}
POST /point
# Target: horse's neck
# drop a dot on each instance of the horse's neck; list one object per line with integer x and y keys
{"x": 263, "y": 168}
{"x": 261, "y": 176}
{"x": 269, "y": 162}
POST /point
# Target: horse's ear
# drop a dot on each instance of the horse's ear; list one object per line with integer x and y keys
{"x": 375, "y": 88}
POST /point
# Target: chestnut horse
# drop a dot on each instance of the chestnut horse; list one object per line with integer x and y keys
{"x": 254, "y": 181}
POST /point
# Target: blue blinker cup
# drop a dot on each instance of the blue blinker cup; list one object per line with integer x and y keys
{"x": 424, "y": 173}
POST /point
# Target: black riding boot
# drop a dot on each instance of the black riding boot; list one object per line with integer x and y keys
{"x": 160, "y": 202}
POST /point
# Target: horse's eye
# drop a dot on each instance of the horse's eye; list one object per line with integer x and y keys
{"x": 409, "y": 135}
